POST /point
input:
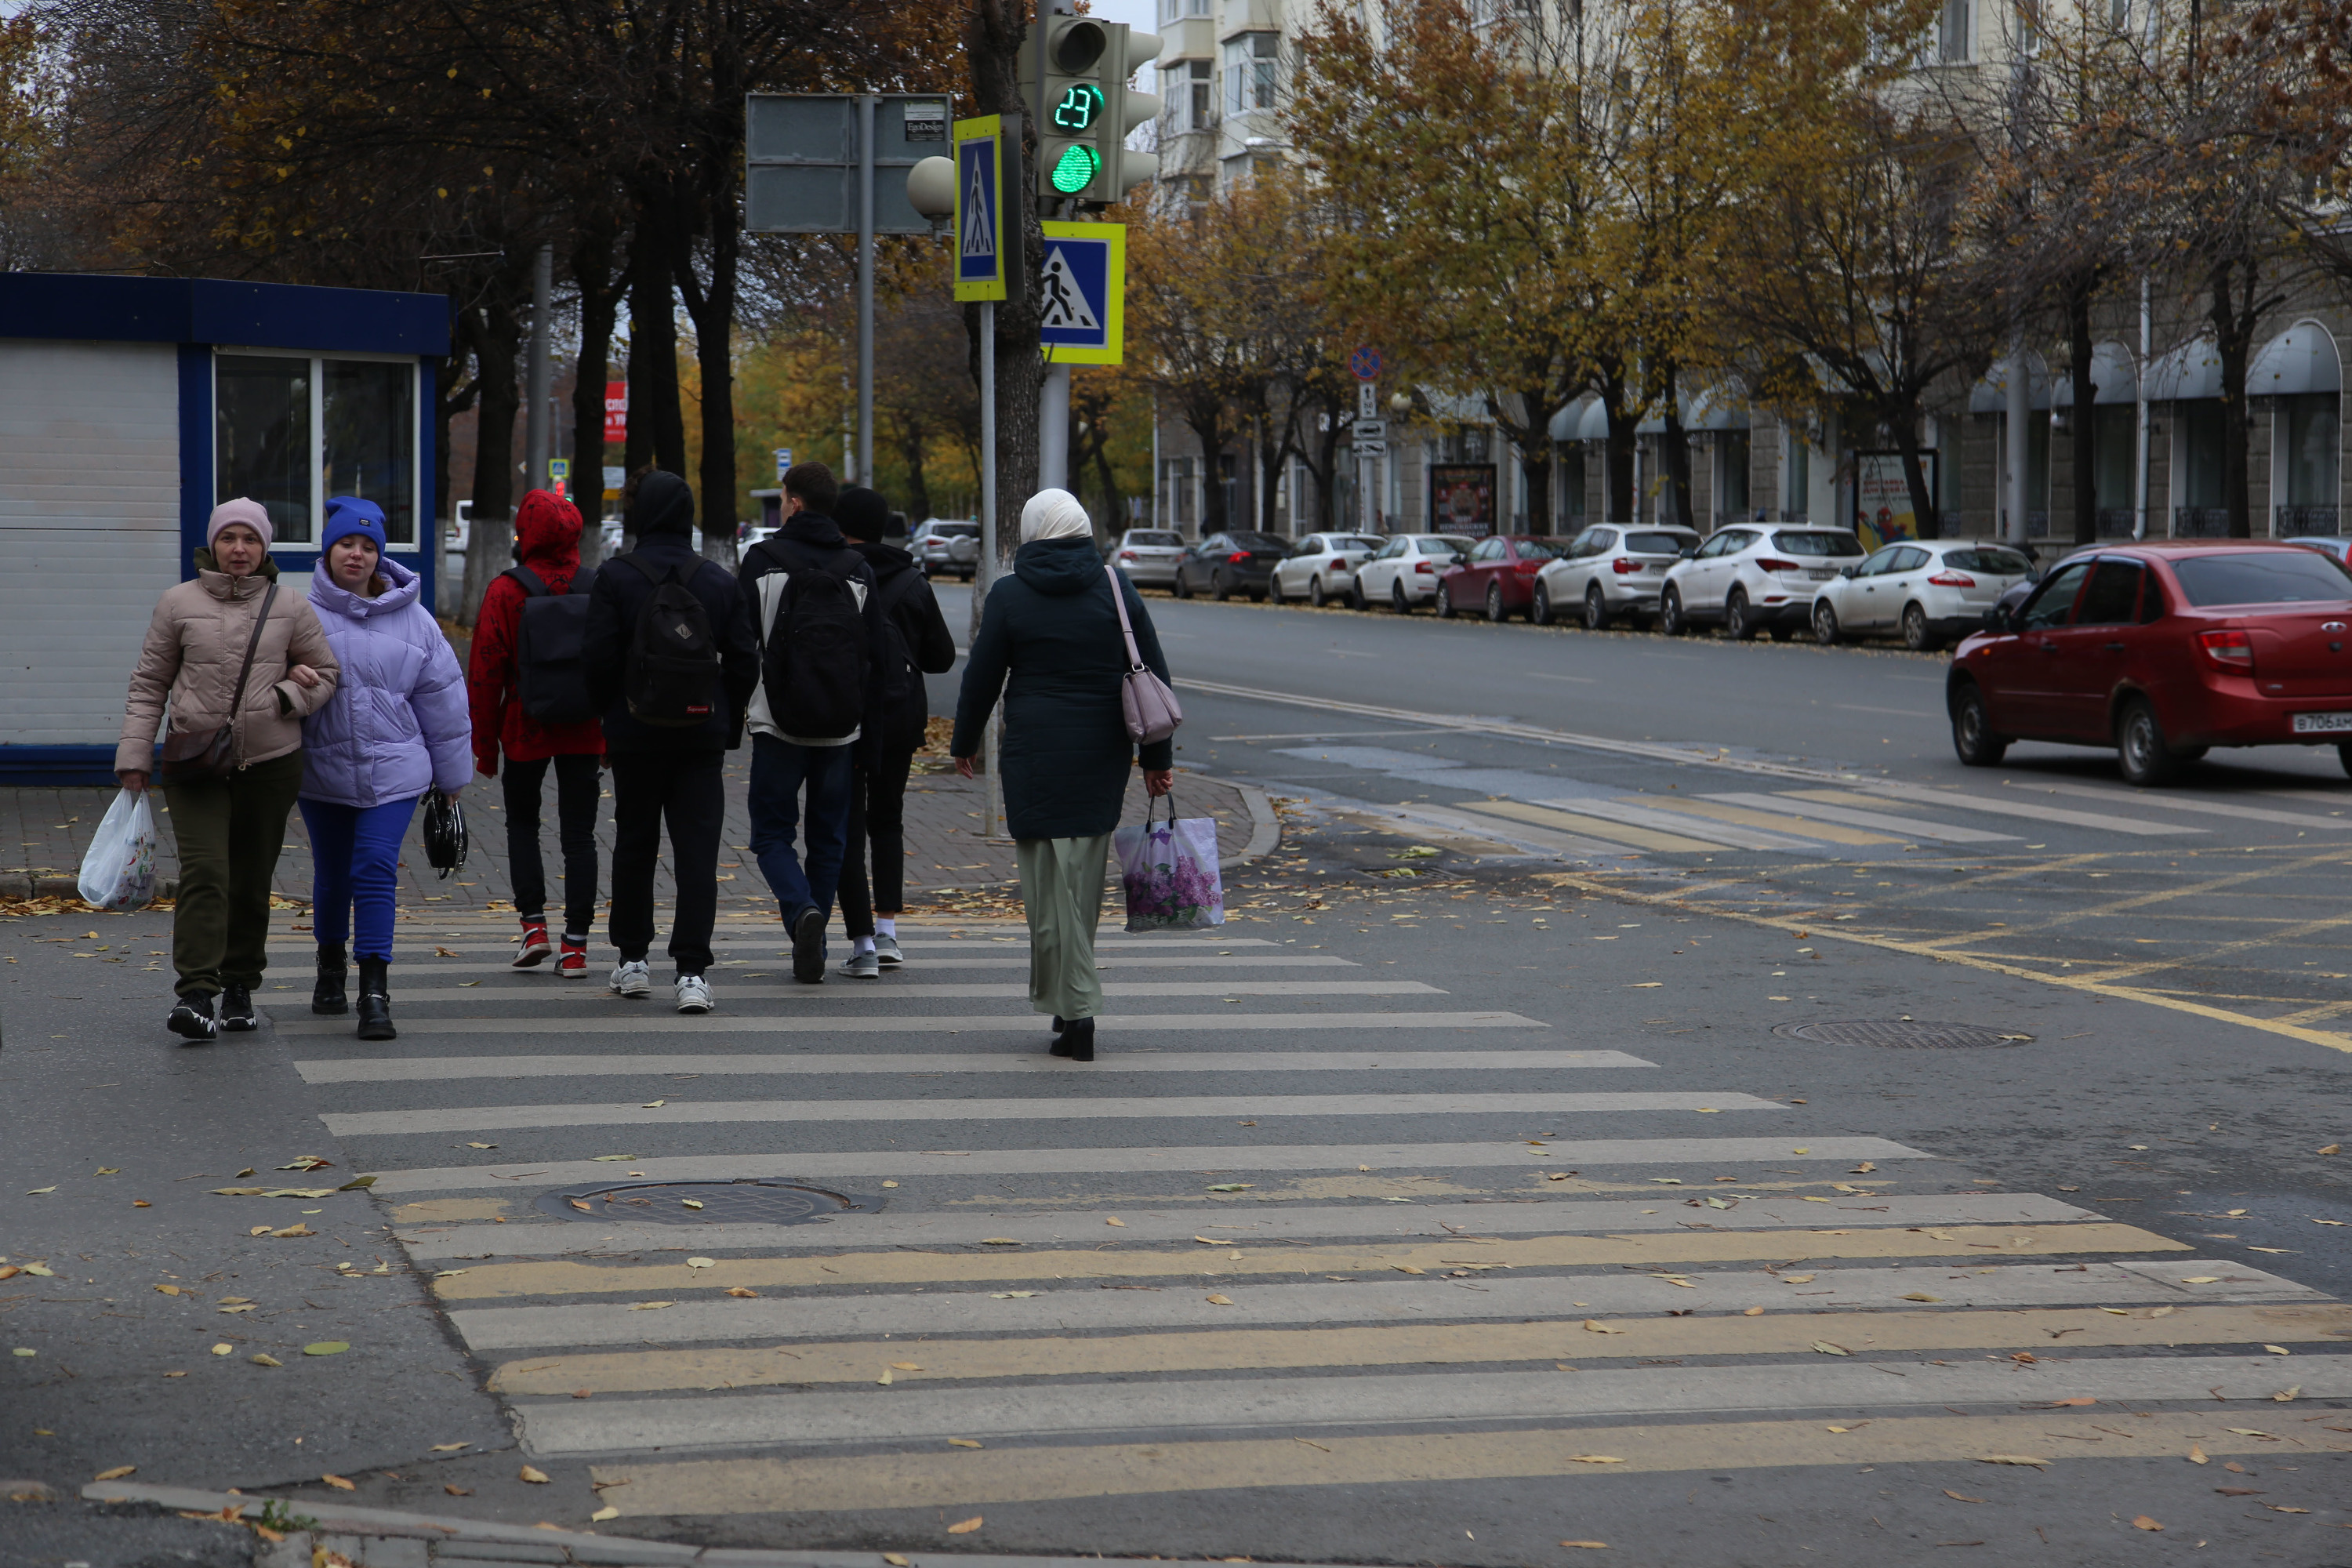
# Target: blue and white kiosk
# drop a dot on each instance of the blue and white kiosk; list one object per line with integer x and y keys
{"x": 129, "y": 408}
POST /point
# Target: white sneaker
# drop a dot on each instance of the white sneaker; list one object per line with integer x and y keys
{"x": 632, "y": 978}
{"x": 693, "y": 993}
{"x": 886, "y": 953}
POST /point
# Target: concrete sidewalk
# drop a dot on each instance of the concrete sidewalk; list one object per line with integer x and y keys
{"x": 43, "y": 831}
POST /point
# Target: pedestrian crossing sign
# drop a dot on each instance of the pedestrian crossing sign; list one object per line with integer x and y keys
{"x": 1083, "y": 293}
{"x": 981, "y": 236}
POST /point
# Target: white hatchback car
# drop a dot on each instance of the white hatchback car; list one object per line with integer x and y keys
{"x": 1148, "y": 556}
{"x": 1754, "y": 577}
{"x": 1404, "y": 571}
{"x": 1927, "y": 590}
{"x": 1320, "y": 566}
{"x": 1610, "y": 570}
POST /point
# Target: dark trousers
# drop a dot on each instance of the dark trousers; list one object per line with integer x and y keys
{"x": 877, "y": 817}
{"x": 229, "y": 831}
{"x": 356, "y": 872}
{"x": 685, "y": 791}
{"x": 779, "y": 772}
{"x": 577, "y": 789}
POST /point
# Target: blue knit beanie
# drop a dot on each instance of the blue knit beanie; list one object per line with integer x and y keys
{"x": 346, "y": 515}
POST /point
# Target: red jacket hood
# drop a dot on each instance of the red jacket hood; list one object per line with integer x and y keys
{"x": 547, "y": 533}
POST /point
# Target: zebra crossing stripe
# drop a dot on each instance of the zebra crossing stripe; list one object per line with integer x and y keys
{"x": 1062, "y": 1471}
{"x": 703, "y": 1113}
{"x": 509, "y": 1280}
{"x": 1179, "y": 1159}
{"x": 1491, "y": 1295}
{"x": 915, "y": 989}
{"x": 1122, "y": 1024}
{"x": 1835, "y": 1385}
{"x": 1246, "y": 1350}
{"x": 439, "y": 1070}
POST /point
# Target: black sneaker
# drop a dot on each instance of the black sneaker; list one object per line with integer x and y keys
{"x": 808, "y": 947}
{"x": 237, "y": 1015}
{"x": 192, "y": 1020}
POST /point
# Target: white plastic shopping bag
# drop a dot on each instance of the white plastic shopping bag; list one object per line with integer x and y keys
{"x": 1169, "y": 870}
{"x": 119, "y": 872}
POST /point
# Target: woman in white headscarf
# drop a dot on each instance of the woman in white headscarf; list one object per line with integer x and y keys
{"x": 1049, "y": 642}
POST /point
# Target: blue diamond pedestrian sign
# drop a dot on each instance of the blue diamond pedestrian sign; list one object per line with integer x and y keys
{"x": 982, "y": 236}
{"x": 1083, "y": 293}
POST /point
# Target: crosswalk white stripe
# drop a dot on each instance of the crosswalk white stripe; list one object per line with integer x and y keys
{"x": 1914, "y": 826}
{"x": 903, "y": 988}
{"x": 822, "y": 1316}
{"x": 723, "y": 1023}
{"x": 1955, "y": 800}
{"x": 436, "y": 966}
{"x": 435, "y": 1069}
{"x": 2170, "y": 800}
{"x": 1385, "y": 1398}
{"x": 1687, "y": 826}
{"x": 774, "y": 944}
{"x": 1708, "y": 1154}
{"x": 1237, "y": 1223}
{"x": 700, "y": 1114}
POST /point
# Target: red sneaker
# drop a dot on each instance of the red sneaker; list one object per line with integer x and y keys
{"x": 573, "y": 964}
{"x": 534, "y": 945}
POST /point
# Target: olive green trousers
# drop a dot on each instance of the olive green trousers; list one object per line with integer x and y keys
{"x": 229, "y": 832}
{"x": 1062, "y": 888}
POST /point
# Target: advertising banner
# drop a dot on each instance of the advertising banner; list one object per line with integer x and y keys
{"x": 1462, "y": 500}
{"x": 1882, "y": 498}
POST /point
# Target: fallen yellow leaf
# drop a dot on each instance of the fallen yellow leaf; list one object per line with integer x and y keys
{"x": 1596, "y": 1460}
{"x": 1228, "y": 1301}
{"x": 1595, "y": 1326}
{"x": 116, "y": 1474}
{"x": 532, "y": 1474}
{"x": 1588, "y": 1546}
{"x": 1120, "y": 1223}
{"x": 965, "y": 1443}
{"x": 2278, "y": 1350}
{"x": 340, "y": 1484}
{"x": 740, "y": 1290}
{"x": 966, "y": 1527}
{"x": 2141, "y": 1521}
{"x": 267, "y": 1361}
{"x": 1753, "y": 1313}
{"x": 1919, "y": 1295}
{"x": 601, "y": 1514}
{"x": 2197, "y": 1456}
{"x": 1960, "y": 1497}
{"x": 449, "y": 1447}
{"x": 2009, "y": 1460}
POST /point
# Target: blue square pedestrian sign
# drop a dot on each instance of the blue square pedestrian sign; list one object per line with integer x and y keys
{"x": 982, "y": 238}
{"x": 1082, "y": 303}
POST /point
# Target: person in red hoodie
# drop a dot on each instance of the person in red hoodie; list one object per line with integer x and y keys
{"x": 547, "y": 545}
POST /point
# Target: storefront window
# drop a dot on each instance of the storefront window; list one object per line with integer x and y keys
{"x": 2309, "y": 427}
{"x": 263, "y": 417}
{"x": 290, "y": 432}
{"x": 371, "y": 445}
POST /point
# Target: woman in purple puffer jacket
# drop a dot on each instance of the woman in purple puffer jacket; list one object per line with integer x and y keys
{"x": 396, "y": 727}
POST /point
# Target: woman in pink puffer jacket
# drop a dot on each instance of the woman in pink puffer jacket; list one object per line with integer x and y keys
{"x": 396, "y": 728}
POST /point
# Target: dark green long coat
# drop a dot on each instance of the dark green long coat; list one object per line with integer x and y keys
{"x": 1052, "y": 628}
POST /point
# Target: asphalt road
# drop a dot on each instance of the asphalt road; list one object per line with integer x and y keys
{"x": 1476, "y": 1192}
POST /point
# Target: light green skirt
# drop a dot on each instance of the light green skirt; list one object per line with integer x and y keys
{"x": 1062, "y": 888}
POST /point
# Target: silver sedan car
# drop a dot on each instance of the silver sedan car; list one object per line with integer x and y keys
{"x": 1320, "y": 567}
{"x": 1148, "y": 556}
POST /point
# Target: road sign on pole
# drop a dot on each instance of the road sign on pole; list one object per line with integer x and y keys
{"x": 802, "y": 165}
{"x": 1083, "y": 319}
{"x": 783, "y": 461}
{"x": 987, "y": 234}
{"x": 1367, "y": 401}
{"x": 1364, "y": 365}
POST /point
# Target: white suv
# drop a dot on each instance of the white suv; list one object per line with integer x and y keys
{"x": 1610, "y": 570}
{"x": 1753, "y": 577}
{"x": 1926, "y": 589}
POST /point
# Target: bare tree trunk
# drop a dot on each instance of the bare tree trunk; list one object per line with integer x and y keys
{"x": 494, "y": 330}
{"x": 656, "y": 425}
{"x": 993, "y": 46}
{"x": 2086, "y": 424}
{"x": 712, "y": 309}
{"x": 1905, "y": 422}
{"x": 2233, "y": 314}
{"x": 600, "y": 298}
{"x": 910, "y": 452}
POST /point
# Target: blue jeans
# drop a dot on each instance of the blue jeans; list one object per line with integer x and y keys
{"x": 780, "y": 771}
{"x": 355, "y": 868}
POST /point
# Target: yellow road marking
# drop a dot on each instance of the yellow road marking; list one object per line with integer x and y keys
{"x": 489, "y": 1282}
{"x": 1236, "y": 1350}
{"x": 1042, "y": 1474}
{"x": 1588, "y": 826}
{"x": 1805, "y": 827}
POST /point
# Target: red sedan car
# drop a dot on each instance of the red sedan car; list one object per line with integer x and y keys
{"x": 1499, "y": 577}
{"x": 2162, "y": 651}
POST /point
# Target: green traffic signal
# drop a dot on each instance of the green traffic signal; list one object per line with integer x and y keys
{"x": 1074, "y": 170}
{"x": 1079, "y": 108}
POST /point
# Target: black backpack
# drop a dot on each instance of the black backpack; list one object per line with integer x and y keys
{"x": 672, "y": 678}
{"x": 813, "y": 659}
{"x": 551, "y": 680}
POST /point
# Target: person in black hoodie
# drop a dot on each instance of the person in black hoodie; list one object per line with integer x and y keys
{"x": 667, "y": 770}
{"x": 1049, "y": 641}
{"x": 916, "y": 642}
{"x": 784, "y": 765}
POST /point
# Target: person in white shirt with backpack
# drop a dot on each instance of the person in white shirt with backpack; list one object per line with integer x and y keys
{"x": 812, "y": 605}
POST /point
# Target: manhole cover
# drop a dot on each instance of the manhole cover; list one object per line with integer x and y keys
{"x": 1900, "y": 1034}
{"x": 750, "y": 1200}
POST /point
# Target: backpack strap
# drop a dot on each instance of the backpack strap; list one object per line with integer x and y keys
{"x": 528, "y": 580}
{"x": 898, "y": 593}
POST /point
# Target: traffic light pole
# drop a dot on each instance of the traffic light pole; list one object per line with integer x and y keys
{"x": 1054, "y": 428}
{"x": 866, "y": 104}
{"x": 992, "y": 810}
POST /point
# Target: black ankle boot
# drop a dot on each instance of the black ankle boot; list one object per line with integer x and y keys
{"x": 376, "y": 1000}
{"x": 236, "y": 1017}
{"x": 327, "y": 997}
{"x": 1077, "y": 1041}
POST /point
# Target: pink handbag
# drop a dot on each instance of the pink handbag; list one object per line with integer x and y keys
{"x": 1151, "y": 709}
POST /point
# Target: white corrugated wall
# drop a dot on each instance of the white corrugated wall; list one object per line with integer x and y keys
{"x": 89, "y": 529}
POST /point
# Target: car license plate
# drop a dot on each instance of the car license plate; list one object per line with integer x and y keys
{"x": 2323, "y": 723}
{"x": 1821, "y": 574}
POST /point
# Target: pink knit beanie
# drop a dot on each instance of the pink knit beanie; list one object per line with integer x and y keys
{"x": 249, "y": 512}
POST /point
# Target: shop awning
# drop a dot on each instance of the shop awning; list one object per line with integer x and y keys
{"x": 1991, "y": 395}
{"x": 2192, "y": 370}
{"x": 2112, "y": 373}
{"x": 2301, "y": 359}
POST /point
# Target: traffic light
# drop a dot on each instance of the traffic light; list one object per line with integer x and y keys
{"x": 1074, "y": 73}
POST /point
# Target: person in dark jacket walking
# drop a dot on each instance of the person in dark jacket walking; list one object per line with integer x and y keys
{"x": 1049, "y": 641}
{"x": 666, "y": 767}
{"x": 547, "y": 545}
{"x": 916, "y": 642}
{"x": 784, "y": 764}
